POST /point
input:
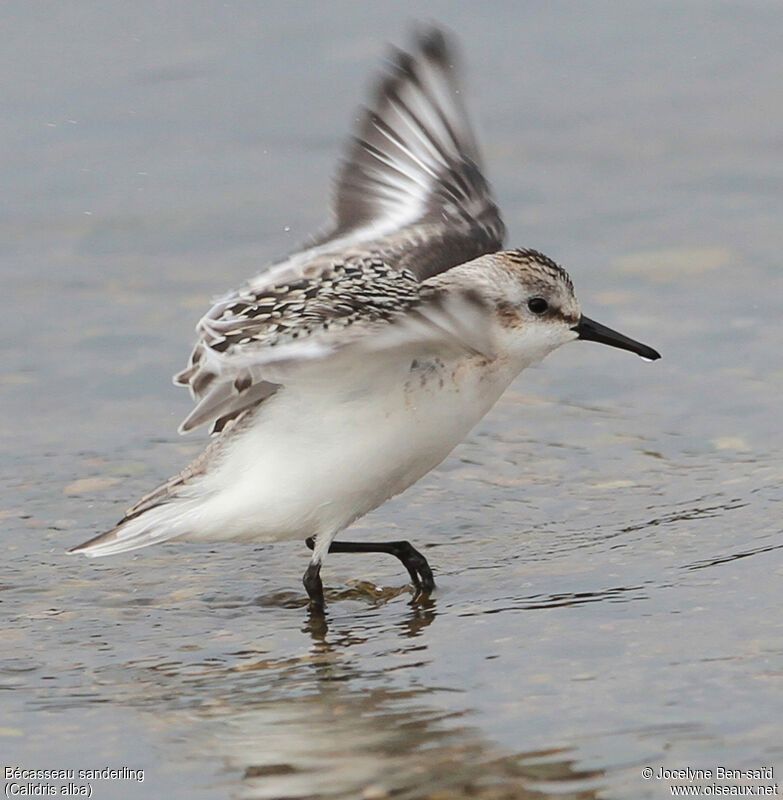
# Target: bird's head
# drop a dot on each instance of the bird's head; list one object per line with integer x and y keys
{"x": 536, "y": 310}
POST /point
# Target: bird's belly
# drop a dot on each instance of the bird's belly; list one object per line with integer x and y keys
{"x": 316, "y": 458}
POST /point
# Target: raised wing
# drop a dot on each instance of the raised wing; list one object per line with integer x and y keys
{"x": 412, "y": 177}
{"x": 410, "y": 195}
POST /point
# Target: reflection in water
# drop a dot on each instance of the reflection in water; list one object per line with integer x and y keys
{"x": 380, "y": 744}
{"x": 349, "y": 736}
{"x": 421, "y": 615}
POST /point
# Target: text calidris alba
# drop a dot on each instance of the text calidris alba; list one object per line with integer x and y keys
{"x": 341, "y": 375}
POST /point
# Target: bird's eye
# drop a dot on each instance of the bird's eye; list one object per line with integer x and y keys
{"x": 538, "y": 305}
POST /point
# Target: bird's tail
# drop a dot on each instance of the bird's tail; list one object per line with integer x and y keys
{"x": 159, "y": 523}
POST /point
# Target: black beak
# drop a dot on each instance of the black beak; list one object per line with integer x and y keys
{"x": 595, "y": 332}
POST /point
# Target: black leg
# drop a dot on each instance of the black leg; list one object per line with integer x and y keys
{"x": 412, "y": 559}
{"x": 314, "y": 587}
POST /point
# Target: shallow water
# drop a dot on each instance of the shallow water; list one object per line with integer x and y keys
{"x": 607, "y": 543}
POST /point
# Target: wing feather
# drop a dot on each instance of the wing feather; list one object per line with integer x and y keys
{"x": 417, "y": 130}
{"x": 410, "y": 201}
{"x": 420, "y": 319}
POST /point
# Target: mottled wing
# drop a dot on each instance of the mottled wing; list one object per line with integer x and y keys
{"x": 282, "y": 335}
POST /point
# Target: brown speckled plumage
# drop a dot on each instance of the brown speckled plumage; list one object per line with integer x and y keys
{"x": 361, "y": 288}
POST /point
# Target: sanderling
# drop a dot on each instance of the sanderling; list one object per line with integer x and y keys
{"x": 342, "y": 374}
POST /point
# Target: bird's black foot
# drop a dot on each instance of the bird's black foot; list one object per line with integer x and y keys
{"x": 417, "y": 566}
{"x": 315, "y": 588}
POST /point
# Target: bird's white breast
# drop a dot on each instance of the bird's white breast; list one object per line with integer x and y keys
{"x": 325, "y": 451}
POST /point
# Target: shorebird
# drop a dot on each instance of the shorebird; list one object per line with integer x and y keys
{"x": 340, "y": 375}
